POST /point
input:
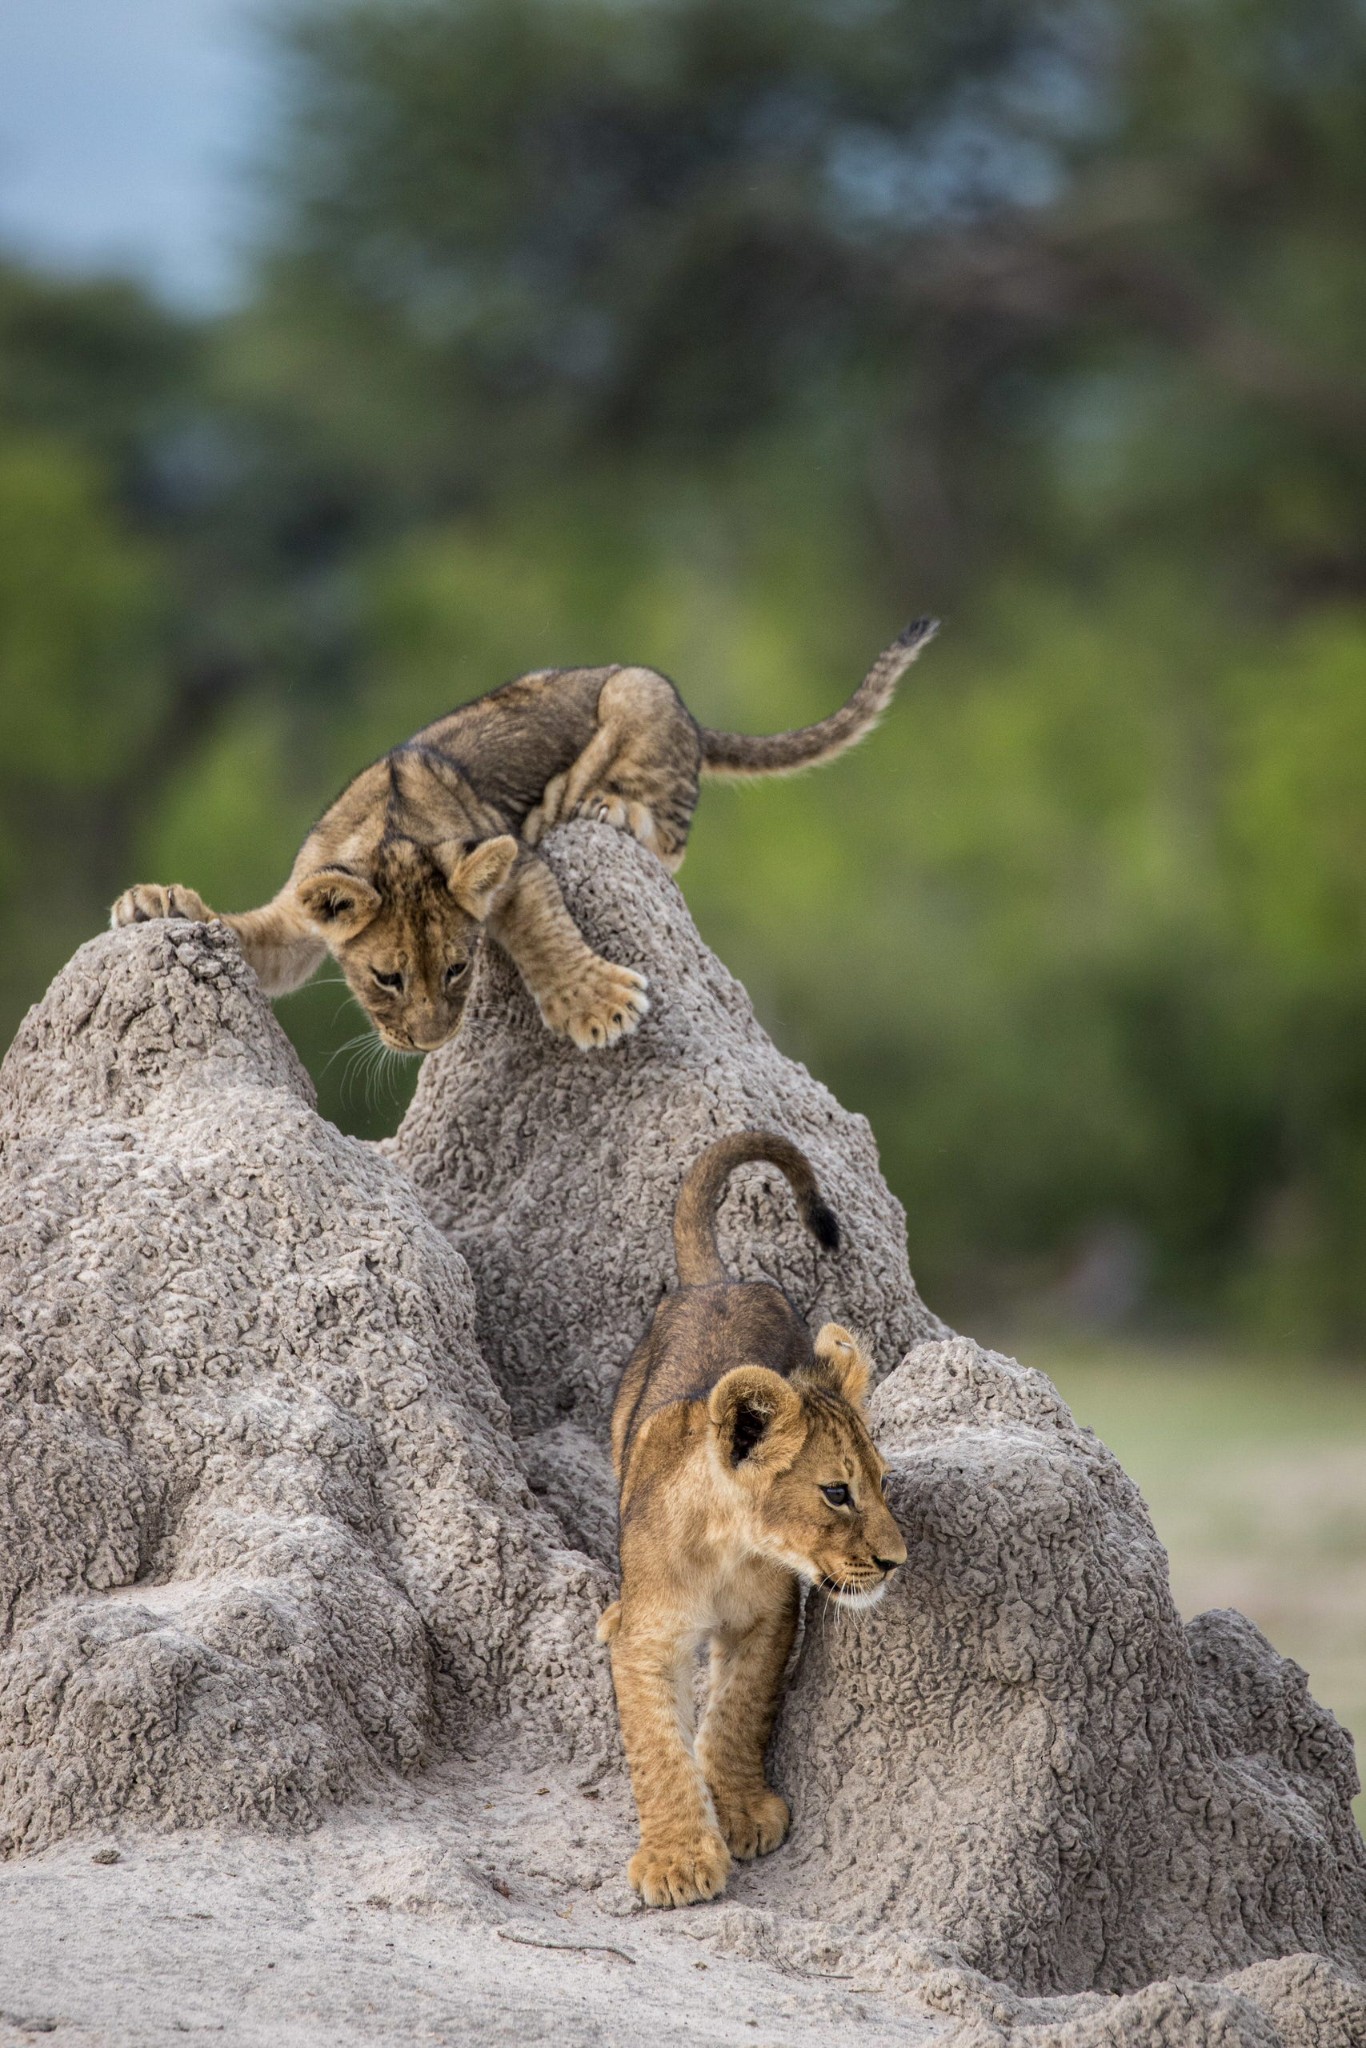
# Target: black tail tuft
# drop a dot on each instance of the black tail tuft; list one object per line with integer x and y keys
{"x": 917, "y": 633}
{"x": 823, "y": 1223}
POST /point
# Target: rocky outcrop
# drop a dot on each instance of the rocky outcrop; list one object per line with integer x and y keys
{"x": 287, "y": 1509}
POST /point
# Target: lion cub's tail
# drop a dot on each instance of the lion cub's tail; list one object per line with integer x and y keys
{"x": 782, "y": 753}
{"x": 695, "y": 1212}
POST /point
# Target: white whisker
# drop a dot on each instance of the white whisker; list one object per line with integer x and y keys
{"x": 347, "y": 1045}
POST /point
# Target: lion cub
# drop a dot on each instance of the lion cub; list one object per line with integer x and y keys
{"x": 746, "y": 1468}
{"x": 431, "y": 847}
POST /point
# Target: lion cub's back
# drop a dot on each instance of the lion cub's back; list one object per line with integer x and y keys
{"x": 511, "y": 742}
{"x": 699, "y": 1334}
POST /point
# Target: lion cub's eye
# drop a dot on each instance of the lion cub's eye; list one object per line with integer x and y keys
{"x": 389, "y": 981}
{"x": 838, "y": 1496}
{"x": 455, "y": 970}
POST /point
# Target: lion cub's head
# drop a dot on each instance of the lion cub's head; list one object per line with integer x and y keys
{"x": 405, "y": 929}
{"x": 796, "y": 1456}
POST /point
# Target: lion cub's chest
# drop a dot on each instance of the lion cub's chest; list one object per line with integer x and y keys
{"x": 743, "y": 1589}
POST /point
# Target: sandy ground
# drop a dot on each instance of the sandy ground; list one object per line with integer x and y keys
{"x": 375, "y": 1930}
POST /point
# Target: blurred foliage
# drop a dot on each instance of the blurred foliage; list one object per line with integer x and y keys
{"x": 724, "y": 335}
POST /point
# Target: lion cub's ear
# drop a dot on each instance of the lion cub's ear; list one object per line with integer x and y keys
{"x": 475, "y": 874}
{"x": 756, "y": 1416}
{"x": 337, "y": 903}
{"x": 842, "y": 1362}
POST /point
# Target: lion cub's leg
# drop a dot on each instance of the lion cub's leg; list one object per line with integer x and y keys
{"x": 746, "y": 1673}
{"x": 682, "y": 1856}
{"x": 275, "y": 940}
{"x": 577, "y": 992}
{"x": 638, "y": 772}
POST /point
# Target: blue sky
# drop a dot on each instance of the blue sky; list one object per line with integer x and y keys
{"x": 125, "y": 130}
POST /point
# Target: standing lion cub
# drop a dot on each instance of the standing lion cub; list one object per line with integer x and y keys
{"x": 746, "y": 1468}
{"x": 431, "y": 846}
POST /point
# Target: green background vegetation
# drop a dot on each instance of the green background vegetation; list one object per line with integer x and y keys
{"x": 725, "y": 335}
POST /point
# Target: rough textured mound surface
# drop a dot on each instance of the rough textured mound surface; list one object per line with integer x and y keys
{"x": 261, "y": 1537}
{"x": 278, "y": 1547}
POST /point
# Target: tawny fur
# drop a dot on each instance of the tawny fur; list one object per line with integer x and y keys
{"x": 432, "y": 846}
{"x": 729, "y": 1432}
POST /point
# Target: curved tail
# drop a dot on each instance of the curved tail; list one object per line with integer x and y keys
{"x": 782, "y": 753}
{"x": 695, "y": 1212}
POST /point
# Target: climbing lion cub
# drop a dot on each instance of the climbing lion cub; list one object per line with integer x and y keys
{"x": 745, "y": 1467}
{"x": 431, "y": 846}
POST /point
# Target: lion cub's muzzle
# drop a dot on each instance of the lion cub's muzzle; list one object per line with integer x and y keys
{"x": 410, "y": 1040}
{"x": 862, "y": 1592}
{"x": 863, "y": 1587}
{"x": 858, "y": 1593}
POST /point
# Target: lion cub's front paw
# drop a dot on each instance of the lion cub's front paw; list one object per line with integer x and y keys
{"x": 680, "y": 1874}
{"x": 602, "y": 1004}
{"x": 146, "y": 900}
{"x": 753, "y": 1826}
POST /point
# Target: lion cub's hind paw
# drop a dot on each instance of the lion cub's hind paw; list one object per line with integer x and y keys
{"x": 606, "y": 807}
{"x": 682, "y": 1875}
{"x": 756, "y": 1826}
{"x": 146, "y": 900}
{"x": 602, "y": 807}
{"x": 604, "y": 1004}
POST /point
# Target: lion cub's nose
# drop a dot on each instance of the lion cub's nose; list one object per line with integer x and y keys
{"x": 888, "y": 1564}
